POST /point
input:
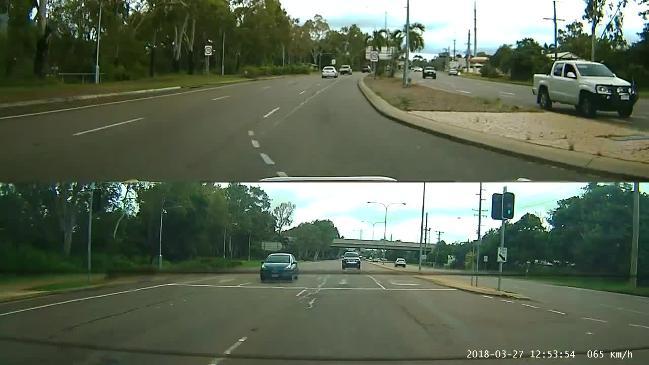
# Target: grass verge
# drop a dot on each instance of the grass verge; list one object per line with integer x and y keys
{"x": 502, "y": 80}
{"x": 56, "y": 89}
{"x": 617, "y": 285}
{"x": 422, "y": 98}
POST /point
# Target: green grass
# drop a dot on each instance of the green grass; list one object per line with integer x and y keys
{"x": 76, "y": 284}
{"x": 644, "y": 93}
{"x": 502, "y": 80}
{"x": 53, "y": 89}
{"x": 617, "y": 285}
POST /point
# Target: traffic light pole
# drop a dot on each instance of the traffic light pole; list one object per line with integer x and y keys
{"x": 502, "y": 236}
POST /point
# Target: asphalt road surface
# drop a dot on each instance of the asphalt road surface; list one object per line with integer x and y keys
{"x": 521, "y": 95}
{"x": 325, "y": 316}
{"x": 299, "y": 126}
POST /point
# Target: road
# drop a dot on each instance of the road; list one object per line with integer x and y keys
{"x": 300, "y": 126}
{"x": 521, "y": 95}
{"x": 325, "y": 316}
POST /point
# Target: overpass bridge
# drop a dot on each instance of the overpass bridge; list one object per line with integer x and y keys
{"x": 381, "y": 245}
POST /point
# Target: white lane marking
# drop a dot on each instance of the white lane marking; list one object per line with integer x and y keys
{"x": 529, "y": 306}
{"x": 557, "y": 312}
{"x": 589, "y": 333}
{"x": 302, "y": 92}
{"x": 594, "y": 319}
{"x": 81, "y": 299}
{"x": 251, "y": 133}
{"x": 226, "y": 280}
{"x": 265, "y": 88}
{"x": 506, "y": 301}
{"x": 304, "y": 103}
{"x": 271, "y": 113}
{"x": 107, "y": 126}
{"x": 282, "y": 174}
{"x": 266, "y": 159}
{"x": 311, "y": 303}
{"x": 229, "y": 350}
{"x": 343, "y": 282}
{"x": 624, "y": 309}
{"x": 523, "y": 179}
{"x": 242, "y": 284}
{"x": 255, "y": 143}
{"x": 464, "y": 92}
{"x": 638, "y": 325}
{"x": 300, "y": 293}
{"x": 376, "y": 281}
{"x": 403, "y": 284}
{"x": 118, "y": 102}
{"x": 308, "y": 288}
{"x": 486, "y": 296}
{"x": 221, "y": 98}
{"x": 506, "y": 93}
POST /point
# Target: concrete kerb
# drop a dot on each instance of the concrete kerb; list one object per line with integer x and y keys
{"x": 460, "y": 286}
{"x": 579, "y": 160}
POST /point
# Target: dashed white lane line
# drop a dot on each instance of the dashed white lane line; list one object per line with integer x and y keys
{"x": 594, "y": 319}
{"x": 243, "y": 284}
{"x": 300, "y": 293}
{"x": 265, "y": 88}
{"x": 221, "y": 98}
{"x": 106, "y": 127}
{"x": 638, "y": 325}
{"x": 506, "y": 93}
{"x": 271, "y": 113}
{"x": 464, "y": 92}
{"x": 282, "y": 174}
{"x": 376, "y": 281}
{"x": 251, "y": 133}
{"x": 255, "y": 143}
{"x": 342, "y": 282}
{"x": 486, "y": 296}
{"x": 318, "y": 288}
{"x": 529, "y": 306}
{"x": 81, "y": 299}
{"x": 266, "y": 159}
{"x": 506, "y": 301}
{"x": 302, "y": 92}
{"x": 557, "y": 312}
{"x": 229, "y": 350}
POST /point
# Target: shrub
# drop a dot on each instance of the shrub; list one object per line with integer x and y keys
{"x": 260, "y": 71}
{"x": 489, "y": 71}
{"x": 27, "y": 260}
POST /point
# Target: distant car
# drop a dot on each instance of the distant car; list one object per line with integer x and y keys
{"x": 351, "y": 259}
{"x": 366, "y": 69}
{"x": 400, "y": 262}
{"x": 279, "y": 266}
{"x": 429, "y": 72}
{"x": 453, "y": 72}
{"x": 417, "y": 69}
{"x": 329, "y": 71}
{"x": 345, "y": 70}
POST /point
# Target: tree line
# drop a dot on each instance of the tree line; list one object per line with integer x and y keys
{"x": 148, "y": 37}
{"x": 197, "y": 220}
{"x": 590, "y": 233}
{"x": 527, "y": 57}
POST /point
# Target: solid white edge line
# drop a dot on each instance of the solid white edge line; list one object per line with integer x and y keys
{"x": 271, "y": 113}
{"x": 594, "y": 319}
{"x": 376, "y": 281}
{"x": 255, "y": 143}
{"x": 282, "y": 174}
{"x": 81, "y": 299}
{"x": 307, "y": 288}
{"x": 557, "y": 312}
{"x": 106, "y": 127}
{"x": 266, "y": 159}
{"x": 638, "y": 325}
{"x": 464, "y": 92}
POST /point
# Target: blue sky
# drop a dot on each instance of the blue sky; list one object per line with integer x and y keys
{"x": 450, "y": 205}
{"x": 499, "y": 21}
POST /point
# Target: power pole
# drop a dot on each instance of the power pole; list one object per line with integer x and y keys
{"x": 555, "y": 20}
{"x": 421, "y": 235}
{"x": 454, "y": 50}
{"x": 468, "y": 51}
{"x": 479, "y": 242}
{"x": 92, "y": 193}
{"x": 594, "y": 30}
{"x": 439, "y": 234}
{"x": 407, "y": 60}
{"x": 636, "y": 235}
{"x": 98, "y": 39}
{"x": 426, "y": 234}
{"x": 475, "y": 37}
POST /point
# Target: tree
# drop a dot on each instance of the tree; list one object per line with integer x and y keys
{"x": 528, "y": 59}
{"x": 502, "y": 59}
{"x": 283, "y": 214}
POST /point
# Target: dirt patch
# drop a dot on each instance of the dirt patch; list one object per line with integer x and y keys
{"x": 426, "y": 99}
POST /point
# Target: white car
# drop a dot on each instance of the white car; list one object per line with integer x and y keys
{"x": 453, "y": 72}
{"x": 417, "y": 69}
{"x": 345, "y": 70}
{"x": 329, "y": 71}
{"x": 400, "y": 262}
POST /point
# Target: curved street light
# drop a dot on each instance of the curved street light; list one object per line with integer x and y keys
{"x": 385, "y": 217}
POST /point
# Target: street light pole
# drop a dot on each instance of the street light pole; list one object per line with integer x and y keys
{"x": 92, "y": 193}
{"x": 636, "y": 235}
{"x": 98, "y": 38}
{"x": 421, "y": 232}
{"x": 162, "y": 209}
{"x": 385, "y": 217}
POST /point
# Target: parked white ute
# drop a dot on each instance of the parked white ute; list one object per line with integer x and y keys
{"x": 589, "y": 86}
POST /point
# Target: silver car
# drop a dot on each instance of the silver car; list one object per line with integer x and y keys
{"x": 329, "y": 71}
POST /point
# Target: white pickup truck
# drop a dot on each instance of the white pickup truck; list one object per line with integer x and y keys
{"x": 589, "y": 86}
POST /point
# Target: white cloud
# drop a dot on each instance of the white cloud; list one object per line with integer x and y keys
{"x": 499, "y": 21}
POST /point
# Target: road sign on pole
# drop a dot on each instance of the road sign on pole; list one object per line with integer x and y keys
{"x": 486, "y": 258}
{"x": 333, "y": 62}
{"x": 502, "y": 254}
{"x": 208, "y": 50}
{"x": 374, "y": 56}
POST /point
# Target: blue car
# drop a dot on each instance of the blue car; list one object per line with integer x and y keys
{"x": 279, "y": 266}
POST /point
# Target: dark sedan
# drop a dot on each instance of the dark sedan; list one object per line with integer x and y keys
{"x": 279, "y": 266}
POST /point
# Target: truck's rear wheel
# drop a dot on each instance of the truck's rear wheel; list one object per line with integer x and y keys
{"x": 586, "y": 106}
{"x": 544, "y": 99}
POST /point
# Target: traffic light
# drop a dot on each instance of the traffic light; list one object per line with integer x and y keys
{"x": 508, "y": 206}
{"x": 502, "y": 209}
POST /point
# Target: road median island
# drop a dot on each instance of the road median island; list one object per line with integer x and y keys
{"x": 585, "y": 144}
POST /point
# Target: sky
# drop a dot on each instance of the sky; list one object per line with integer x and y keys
{"x": 499, "y": 21}
{"x": 449, "y": 205}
